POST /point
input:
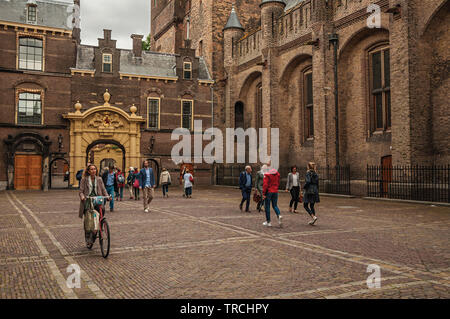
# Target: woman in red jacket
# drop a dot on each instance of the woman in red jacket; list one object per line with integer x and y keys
{"x": 270, "y": 195}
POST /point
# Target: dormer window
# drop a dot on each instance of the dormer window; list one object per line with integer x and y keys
{"x": 187, "y": 70}
{"x": 107, "y": 63}
{"x": 31, "y": 14}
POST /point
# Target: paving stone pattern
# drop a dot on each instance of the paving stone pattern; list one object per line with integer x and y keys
{"x": 205, "y": 247}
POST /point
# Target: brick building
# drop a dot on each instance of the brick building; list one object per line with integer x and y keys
{"x": 61, "y": 99}
{"x": 391, "y": 92}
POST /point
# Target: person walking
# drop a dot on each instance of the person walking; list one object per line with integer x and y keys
{"x": 259, "y": 186}
{"x": 293, "y": 186}
{"x": 110, "y": 181}
{"x": 182, "y": 172}
{"x": 79, "y": 177}
{"x": 165, "y": 181}
{"x": 311, "y": 191}
{"x": 120, "y": 183}
{"x": 245, "y": 185}
{"x": 270, "y": 195}
{"x": 147, "y": 184}
{"x": 136, "y": 184}
{"x": 130, "y": 181}
{"x": 188, "y": 183}
{"x": 91, "y": 185}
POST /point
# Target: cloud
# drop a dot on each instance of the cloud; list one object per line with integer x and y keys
{"x": 123, "y": 17}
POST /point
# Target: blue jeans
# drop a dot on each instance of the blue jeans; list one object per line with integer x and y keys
{"x": 165, "y": 188}
{"x": 188, "y": 191}
{"x": 271, "y": 198}
{"x": 110, "y": 190}
{"x": 246, "y": 192}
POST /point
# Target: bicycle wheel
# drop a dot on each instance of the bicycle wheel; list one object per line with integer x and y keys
{"x": 104, "y": 238}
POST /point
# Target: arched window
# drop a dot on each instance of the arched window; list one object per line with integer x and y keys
{"x": 308, "y": 103}
{"x": 380, "y": 91}
{"x": 29, "y": 107}
{"x": 239, "y": 115}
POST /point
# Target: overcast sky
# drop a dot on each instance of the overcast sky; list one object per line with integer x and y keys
{"x": 123, "y": 17}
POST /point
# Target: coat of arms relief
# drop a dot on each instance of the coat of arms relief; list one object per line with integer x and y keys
{"x": 105, "y": 122}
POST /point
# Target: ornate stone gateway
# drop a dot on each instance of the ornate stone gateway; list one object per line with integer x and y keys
{"x": 105, "y": 122}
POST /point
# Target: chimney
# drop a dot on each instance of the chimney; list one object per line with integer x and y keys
{"x": 137, "y": 45}
{"x": 106, "y": 34}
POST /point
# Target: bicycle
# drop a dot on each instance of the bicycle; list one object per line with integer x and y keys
{"x": 103, "y": 233}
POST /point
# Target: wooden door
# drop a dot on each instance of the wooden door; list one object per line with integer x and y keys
{"x": 35, "y": 171}
{"x": 20, "y": 172}
{"x": 28, "y": 172}
{"x": 386, "y": 166}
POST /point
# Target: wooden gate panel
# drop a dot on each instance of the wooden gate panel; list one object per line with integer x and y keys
{"x": 20, "y": 172}
{"x": 35, "y": 172}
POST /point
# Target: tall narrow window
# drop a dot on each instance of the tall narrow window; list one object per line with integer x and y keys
{"x": 259, "y": 105}
{"x": 200, "y": 48}
{"x": 380, "y": 91}
{"x": 31, "y": 16}
{"x": 30, "y": 54}
{"x": 107, "y": 62}
{"x": 308, "y": 102}
{"x": 186, "y": 118}
{"x": 153, "y": 113}
{"x": 187, "y": 70}
{"x": 239, "y": 115}
{"x": 29, "y": 110}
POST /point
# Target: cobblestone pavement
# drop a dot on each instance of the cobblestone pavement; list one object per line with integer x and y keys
{"x": 205, "y": 247}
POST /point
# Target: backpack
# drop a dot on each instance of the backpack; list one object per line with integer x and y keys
{"x": 120, "y": 179}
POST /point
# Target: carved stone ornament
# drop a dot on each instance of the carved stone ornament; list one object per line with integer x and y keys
{"x": 106, "y": 120}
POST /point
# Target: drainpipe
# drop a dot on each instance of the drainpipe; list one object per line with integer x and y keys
{"x": 334, "y": 39}
{"x": 213, "y": 173}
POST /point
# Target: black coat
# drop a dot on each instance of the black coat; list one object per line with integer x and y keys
{"x": 311, "y": 188}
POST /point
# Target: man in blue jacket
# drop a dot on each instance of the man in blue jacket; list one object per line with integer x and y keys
{"x": 147, "y": 184}
{"x": 245, "y": 185}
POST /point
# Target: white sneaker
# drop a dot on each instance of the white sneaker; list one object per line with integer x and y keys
{"x": 279, "y": 219}
{"x": 145, "y": 210}
{"x": 267, "y": 224}
{"x": 313, "y": 221}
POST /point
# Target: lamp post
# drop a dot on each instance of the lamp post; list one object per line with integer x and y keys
{"x": 334, "y": 40}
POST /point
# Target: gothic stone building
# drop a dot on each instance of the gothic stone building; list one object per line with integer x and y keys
{"x": 60, "y": 99}
{"x": 338, "y": 90}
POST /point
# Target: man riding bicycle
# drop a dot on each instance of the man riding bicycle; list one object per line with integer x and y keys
{"x": 91, "y": 185}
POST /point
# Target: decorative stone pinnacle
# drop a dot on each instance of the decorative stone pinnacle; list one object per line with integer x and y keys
{"x": 106, "y": 97}
{"x": 78, "y": 107}
{"x": 133, "y": 110}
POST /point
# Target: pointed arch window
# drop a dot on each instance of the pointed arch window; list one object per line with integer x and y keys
{"x": 308, "y": 102}
{"x": 239, "y": 115}
{"x": 380, "y": 91}
{"x": 259, "y": 112}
